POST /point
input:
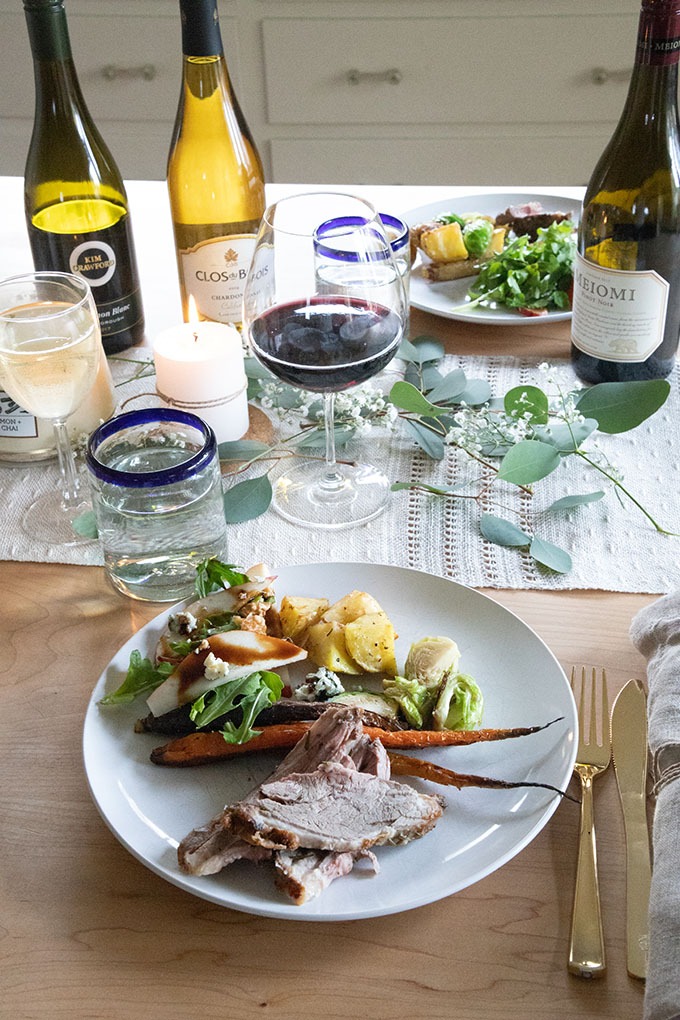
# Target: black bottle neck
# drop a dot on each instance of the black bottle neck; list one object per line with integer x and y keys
{"x": 47, "y": 30}
{"x": 200, "y": 28}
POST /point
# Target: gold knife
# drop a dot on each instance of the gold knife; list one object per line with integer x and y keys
{"x": 629, "y": 753}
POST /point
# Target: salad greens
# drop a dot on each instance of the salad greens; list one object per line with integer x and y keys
{"x": 213, "y": 575}
{"x": 533, "y": 275}
{"x": 142, "y": 677}
{"x": 249, "y": 693}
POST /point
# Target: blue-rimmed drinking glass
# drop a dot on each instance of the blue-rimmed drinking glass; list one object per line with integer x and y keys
{"x": 157, "y": 497}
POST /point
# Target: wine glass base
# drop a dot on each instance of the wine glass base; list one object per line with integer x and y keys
{"x": 306, "y": 495}
{"x": 48, "y": 520}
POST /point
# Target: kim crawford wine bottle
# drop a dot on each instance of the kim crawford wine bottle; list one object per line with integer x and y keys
{"x": 626, "y": 310}
{"x": 76, "y": 205}
{"x": 215, "y": 177}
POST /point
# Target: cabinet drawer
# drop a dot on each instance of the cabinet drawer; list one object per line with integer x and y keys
{"x": 447, "y": 70}
{"x": 523, "y": 159}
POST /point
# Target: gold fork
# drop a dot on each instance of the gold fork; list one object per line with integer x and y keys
{"x": 586, "y": 944}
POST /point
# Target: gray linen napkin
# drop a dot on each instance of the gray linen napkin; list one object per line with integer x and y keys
{"x": 655, "y": 631}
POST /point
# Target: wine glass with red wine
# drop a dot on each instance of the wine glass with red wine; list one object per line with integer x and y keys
{"x": 324, "y": 310}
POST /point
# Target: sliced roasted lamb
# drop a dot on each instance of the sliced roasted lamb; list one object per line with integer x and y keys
{"x": 211, "y": 847}
{"x": 527, "y": 218}
{"x": 304, "y": 874}
{"x": 334, "y": 808}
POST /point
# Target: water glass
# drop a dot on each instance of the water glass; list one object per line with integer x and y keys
{"x": 157, "y": 497}
{"x": 338, "y": 266}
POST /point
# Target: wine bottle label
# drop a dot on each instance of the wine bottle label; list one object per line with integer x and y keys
{"x": 102, "y": 257}
{"x": 659, "y": 34}
{"x": 15, "y": 423}
{"x": 214, "y": 274}
{"x": 618, "y": 315}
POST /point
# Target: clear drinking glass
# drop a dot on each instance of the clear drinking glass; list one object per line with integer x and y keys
{"x": 50, "y": 349}
{"x": 157, "y": 497}
{"x": 325, "y": 327}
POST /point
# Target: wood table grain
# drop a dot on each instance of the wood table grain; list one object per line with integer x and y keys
{"x": 86, "y": 931}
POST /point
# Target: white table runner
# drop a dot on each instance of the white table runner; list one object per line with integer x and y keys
{"x": 612, "y": 545}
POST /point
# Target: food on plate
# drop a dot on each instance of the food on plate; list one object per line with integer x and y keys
{"x": 331, "y": 795}
{"x": 527, "y": 265}
{"x": 457, "y": 245}
{"x": 533, "y": 277}
{"x": 324, "y": 808}
{"x": 353, "y": 636}
{"x": 207, "y": 746}
{"x": 528, "y": 218}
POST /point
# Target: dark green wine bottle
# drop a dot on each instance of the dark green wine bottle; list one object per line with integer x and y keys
{"x": 626, "y": 314}
{"x": 76, "y": 204}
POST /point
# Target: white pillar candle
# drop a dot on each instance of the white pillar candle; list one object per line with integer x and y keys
{"x": 199, "y": 368}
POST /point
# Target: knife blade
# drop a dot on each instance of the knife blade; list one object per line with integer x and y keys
{"x": 629, "y": 753}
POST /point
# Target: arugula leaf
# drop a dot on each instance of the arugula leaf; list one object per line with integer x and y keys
{"x": 529, "y": 274}
{"x": 142, "y": 677}
{"x": 249, "y": 693}
{"x": 213, "y": 575}
{"x": 214, "y": 623}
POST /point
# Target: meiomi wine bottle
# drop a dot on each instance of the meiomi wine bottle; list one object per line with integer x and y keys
{"x": 626, "y": 309}
{"x": 215, "y": 176}
{"x": 76, "y": 204}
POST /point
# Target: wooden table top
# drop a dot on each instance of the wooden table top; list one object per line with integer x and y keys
{"x": 88, "y": 931}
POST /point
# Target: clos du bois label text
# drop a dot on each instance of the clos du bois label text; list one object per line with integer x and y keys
{"x": 214, "y": 273}
{"x": 618, "y": 315}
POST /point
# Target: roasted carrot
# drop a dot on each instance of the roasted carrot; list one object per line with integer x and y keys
{"x": 204, "y": 747}
{"x": 405, "y": 765}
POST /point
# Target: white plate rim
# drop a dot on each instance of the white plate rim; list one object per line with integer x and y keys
{"x": 433, "y": 298}
{"x": 110, "y": 796}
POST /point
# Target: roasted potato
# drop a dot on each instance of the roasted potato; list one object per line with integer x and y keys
{"x": 297, "y": 613}
{"x": 326, "y": 646}
{"x": 349, "y": 607}
{"x": 370, "y": 641}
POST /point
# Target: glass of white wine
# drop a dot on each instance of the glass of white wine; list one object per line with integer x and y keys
{"x": 50, "y": 346}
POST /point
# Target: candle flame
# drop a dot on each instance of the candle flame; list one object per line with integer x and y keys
{"x": 193, "y": 317}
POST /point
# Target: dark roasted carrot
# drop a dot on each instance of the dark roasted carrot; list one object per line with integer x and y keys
{"x": 405, "y": 765}
{"x": 204, "y": 747}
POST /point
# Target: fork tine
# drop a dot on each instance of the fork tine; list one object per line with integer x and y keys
{"x": 592, "y": 733}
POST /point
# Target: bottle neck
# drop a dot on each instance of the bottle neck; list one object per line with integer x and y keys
{"x": 653, "y": 91}
{"x": 200, "y": 28}
{"x": 48, "y": 31}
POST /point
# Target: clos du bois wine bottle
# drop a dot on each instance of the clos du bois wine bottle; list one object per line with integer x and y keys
{"x": 76, "y": 205}
{"x": 215, "y": 178}
{"x": 626, "y": 313}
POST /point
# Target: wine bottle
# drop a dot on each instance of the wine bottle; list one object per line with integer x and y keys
{"x": 76, "y": 204}
{"x": 215, "y": 177}
{"x": 626, "y": 308}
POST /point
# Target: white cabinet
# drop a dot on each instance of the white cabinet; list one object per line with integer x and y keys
{"x": 476, "y": 92}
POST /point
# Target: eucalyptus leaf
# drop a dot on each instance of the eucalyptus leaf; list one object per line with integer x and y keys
{"x": 567, "y": 438}
{"x": 85, "y": 524}
{"x": 449, "y": 388}
{"x": 620, "y": 406}
{"x": 432, "y": 444}
{"x": 476, "y": 392}
{"x": 578, "y": 499}
{"x": 436, "y": 490}
{"x": 423, "y": 377}
{"x": 549, "y": 555}
{"x": 502, "y": 532}
{"x": 246, "y": 500}
{"x": 241, "y": 449}
{"x": 528, "y": 461}
{"x": 521, "y": 400}
{"x": 421, "y": 350}
{"x": 315, "y": 439}
{"x": 405, "y": 396}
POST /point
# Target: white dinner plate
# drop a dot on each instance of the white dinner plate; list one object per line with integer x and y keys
{"x": 448, "y": 299}
{"x": 150, "y": 808}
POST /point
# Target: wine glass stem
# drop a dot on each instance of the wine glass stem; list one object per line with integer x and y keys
{"x": 67, "y": 465}
{"x": 332, "y": 478}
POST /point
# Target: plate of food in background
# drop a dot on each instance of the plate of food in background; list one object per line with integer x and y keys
{"x": 500, "y": 258}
